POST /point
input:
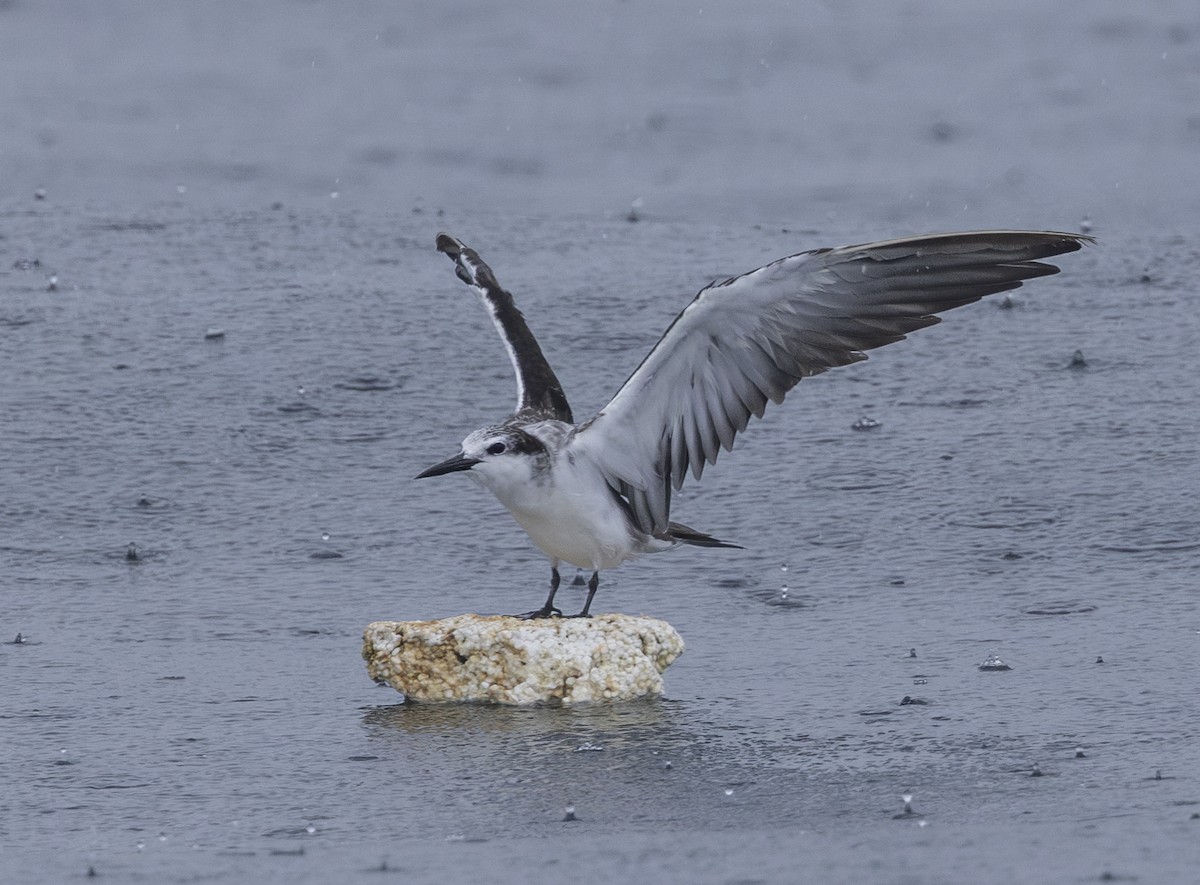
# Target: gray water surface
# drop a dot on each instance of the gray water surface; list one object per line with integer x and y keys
{"x": 210, "y": 694}
{"x": 238, "y": 373}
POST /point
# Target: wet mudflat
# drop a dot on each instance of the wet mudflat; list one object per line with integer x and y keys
{"x": 238, "y": 376}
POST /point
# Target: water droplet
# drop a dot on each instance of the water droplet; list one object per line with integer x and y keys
{"x": 333, "y": 195}
{"x": 1085, "y": 225}
{"x": 181, "y": 188}
{"x": 667, "y": 765}
{"x": 310, "y": 829}
{"x": 783, "y": 592}
{"x": 569, "y": 813}
{"x": 784, "y": 568}
{"x": 1079, "y": 754}
{"x": 325, "y": 536}
{"x": 728, "y": 791}
{"x": 1037, "y": 771}
{"x": 908, "y": 809}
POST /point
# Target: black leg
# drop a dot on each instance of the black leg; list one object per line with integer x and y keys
{"x": 548, "y": 610}
{"x": 592, "y": 585}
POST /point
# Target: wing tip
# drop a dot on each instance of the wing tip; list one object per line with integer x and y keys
{"x": 449, "y": 245}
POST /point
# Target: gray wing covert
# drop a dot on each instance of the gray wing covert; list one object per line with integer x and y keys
{"x": 752, "y": 338}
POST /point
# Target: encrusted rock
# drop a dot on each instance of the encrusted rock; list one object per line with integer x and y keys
{"x": 505, "y": 660}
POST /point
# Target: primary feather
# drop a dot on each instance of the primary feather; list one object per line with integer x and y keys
{"x": 752, "y": 338}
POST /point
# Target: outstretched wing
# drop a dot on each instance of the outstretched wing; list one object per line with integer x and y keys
{"x": 539, "y": 394}
{"x": 752, "y": 338}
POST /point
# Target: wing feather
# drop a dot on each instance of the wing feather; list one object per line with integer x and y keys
{"x": 752, "y": 338}
{"x": 539, "y": 393}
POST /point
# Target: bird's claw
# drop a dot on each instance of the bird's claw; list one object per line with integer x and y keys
{"x": 546, "y": 611}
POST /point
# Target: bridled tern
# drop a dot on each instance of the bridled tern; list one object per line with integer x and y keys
{"x": 598, "y": 493}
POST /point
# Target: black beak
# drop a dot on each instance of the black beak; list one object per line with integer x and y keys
{"x": 450, "y": 465}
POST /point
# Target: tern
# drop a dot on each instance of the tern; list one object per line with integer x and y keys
{"x": 597, "y": 493}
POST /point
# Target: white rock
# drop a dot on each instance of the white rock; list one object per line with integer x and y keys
{"x": 505, "y": 660}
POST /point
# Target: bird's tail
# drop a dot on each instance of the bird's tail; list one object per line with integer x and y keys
{"x": 685, "y": 535}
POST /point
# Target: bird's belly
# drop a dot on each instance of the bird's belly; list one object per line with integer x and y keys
{"x": 591, "y": 537}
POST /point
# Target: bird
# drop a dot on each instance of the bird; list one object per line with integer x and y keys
{"x": 597, "y": 493}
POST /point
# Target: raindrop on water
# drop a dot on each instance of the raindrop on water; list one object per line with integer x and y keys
{"x": 908, "y": 809}
{"x": 866, "y": 422}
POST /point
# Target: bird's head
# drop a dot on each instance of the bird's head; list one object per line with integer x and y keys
{"x": 497, "y": 457}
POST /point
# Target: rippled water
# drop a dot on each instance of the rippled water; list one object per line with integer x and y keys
{"x": 213, "y": 414}
{"x": 210, "y": 692}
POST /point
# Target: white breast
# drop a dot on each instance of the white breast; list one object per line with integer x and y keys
{"x": 570, "y": 514}
{"x": 574, "y": 517}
